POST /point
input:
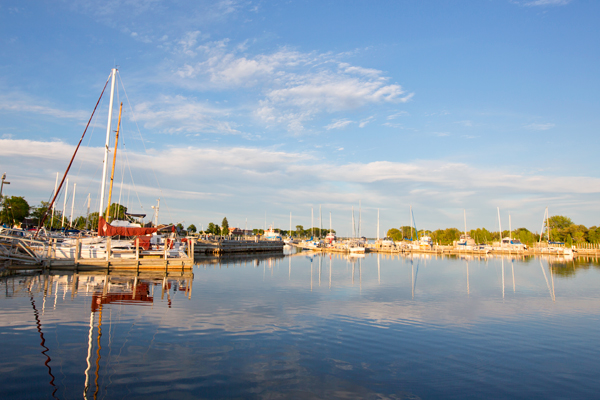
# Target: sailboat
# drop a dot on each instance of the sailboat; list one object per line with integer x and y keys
{"x": 96, "y": 246}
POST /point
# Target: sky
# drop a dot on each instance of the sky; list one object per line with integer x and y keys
{"x": 253, "y": 110}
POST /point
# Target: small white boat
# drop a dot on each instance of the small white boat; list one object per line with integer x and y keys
{"x": 356, "y": 248}
{"x": 387, "y": 242}
{"x": 270, "y": 234}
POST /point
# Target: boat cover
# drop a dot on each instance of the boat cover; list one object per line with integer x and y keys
{"x": 105, "y": 229}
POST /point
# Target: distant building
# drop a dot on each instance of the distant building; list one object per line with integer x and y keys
{"x": 239, "y": 232}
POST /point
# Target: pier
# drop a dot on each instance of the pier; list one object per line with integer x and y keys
{"x": 23, "y": 253}
{"x": 229, "y": 246}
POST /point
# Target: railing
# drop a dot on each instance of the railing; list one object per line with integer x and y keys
{"x": 23, "y": 249}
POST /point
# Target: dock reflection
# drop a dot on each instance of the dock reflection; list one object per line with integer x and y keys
{"x": 104, "y": 290}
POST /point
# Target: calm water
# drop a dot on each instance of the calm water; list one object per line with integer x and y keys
{"x": 307, "y": 327}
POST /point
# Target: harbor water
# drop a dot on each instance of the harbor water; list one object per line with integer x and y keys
{"x": 307, "y": 326}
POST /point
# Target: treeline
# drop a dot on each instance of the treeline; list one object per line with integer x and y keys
{"x": 16, "y": 210}
{"x": 300, "y": 232}
{"x": 562, "y": 229}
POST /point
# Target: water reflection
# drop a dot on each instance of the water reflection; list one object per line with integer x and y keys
{"x": 307, "y": 325}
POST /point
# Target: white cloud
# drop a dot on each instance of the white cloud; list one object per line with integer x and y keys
{"x": 546, "y": 3}
{"x": 229, "y": 161}
{"x": 335, "y": 93}
{"x": 173, "y": 114}
{"x": 365, "y": 121}
{"x": 339, "y": 124}
{"x": 188, "y": 42}
{"x": 296, "y": 86}
{"x": 18, "y": 102}
{"x": 540, "y": 127}
{"x": 196, "y": 179}
{"x": 466, "y": 123}
{"x": 396, "y": 115}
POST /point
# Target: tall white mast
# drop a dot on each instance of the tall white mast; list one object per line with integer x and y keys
{"x": 105, "y": 166}
{"x": 329, "y": 221}
{"x": 548, "y": 223}
{"x": 87, "y": 216}
{"x": 72, "y": 206}
{"x": 544, "y": 223}
{"x": 62, "y": 220}
{"x": 53, "y": 204}
{"x": 290, "y": 234}
{"x": 312, "y": 223}
{"x": 320, "y": 221}
{"x": 509, "y": 227}
{"x": 465, "y": 214}
{"x": 500, "y": 226}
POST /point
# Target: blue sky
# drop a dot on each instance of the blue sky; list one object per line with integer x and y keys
{"x": 254, "y": 107}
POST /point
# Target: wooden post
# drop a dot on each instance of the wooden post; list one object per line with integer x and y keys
{"x": 137, "y": 249}
{"x": 77, "y": 244}
{"x": 108, "y": 243}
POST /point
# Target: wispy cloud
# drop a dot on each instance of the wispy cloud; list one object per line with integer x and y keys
{"x": 295, "y": 86}
{"x": 539, "y": 127}
{"x": 339, "y": 124}
{"x": 546, "y": 3}
{"x": 398, "y": 114}
{"x": 392, "y": 125}
{"x": 466, "y": 123}
{"x": 173, "y": 114}
{"x": 365, "y": 121}
{"x": 21, "y": 103}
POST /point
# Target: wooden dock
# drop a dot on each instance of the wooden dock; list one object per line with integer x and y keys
{"x": 577, "y": 251}
{"x": 28, "y": 254}
{"x": 219, "y": 247}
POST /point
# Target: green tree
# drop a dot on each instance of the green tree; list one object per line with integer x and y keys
{"x": 210, "y": 228}
{"x": 560, "y": 222}
{"x": 179, "y": 227}
{"x": 394, "y": 234}
{"x": 225, "y": 227}
{"x": 93, "y": 220}
{"x": 525, "y": 236}
{"x": 594, "y": 234}
{"x": 445, "y": 236}
{"x": 482, "y": 235}
{"x": 299, "y": 230}
{"x": 14, "y": 210}
{"x": 79, "y": 222}
{"x": 192, "y": 228}
{"x": 406, "y": 232}
{"x": 38, "y": 212}
{"x": 116, "y": 211}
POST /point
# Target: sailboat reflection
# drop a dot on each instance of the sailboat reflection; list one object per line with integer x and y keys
{"x": 123, "y": 291}
{"x": 38, "y": 323}
{"x": 414, "y": 276}
{"x": 551, "y": 290}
